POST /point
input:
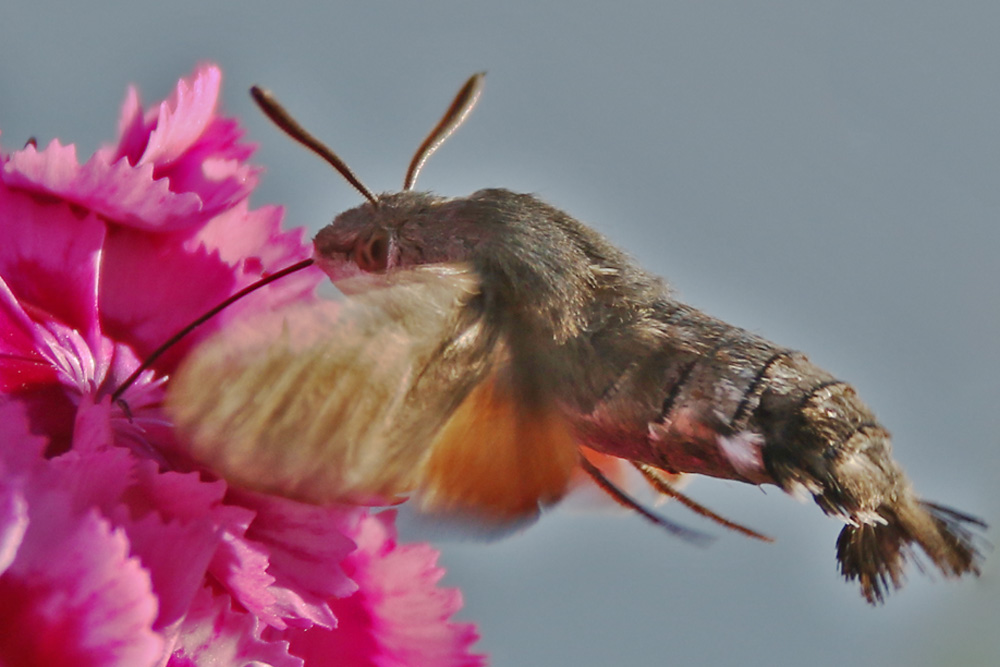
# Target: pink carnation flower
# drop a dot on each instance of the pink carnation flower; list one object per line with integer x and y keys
{"x": 113, "y": 549}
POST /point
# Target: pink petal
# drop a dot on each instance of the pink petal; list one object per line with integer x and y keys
{"x": 13, "y": 524}
{"x": 398, "y": 616}
{"x": 255, "y": 245}
{"x": 92, "y": 433}
{"x": 172, "y": 171}
{"x": 176, "y": 555}
{"x": 215, "y": 634}
{"x": 181, "y": 120}
{"x": 22, "y": 447}
{"x": 214, "y": 168}
{"x": 151, "y": 287}
{"x": 189, "y": 146}
{"x": 252, "y": 238}
{"x": 184, "y": 277}
{"x": 73, "y": 596}
{"x": 306, "y": 545}
{"x": 52, "y": 373}
{"x": 29, "y": 377}
{"x": 55, "y": 354}
{"x": 132, "y": 129}
{"x": 109, "y": 553}
{"x": 173, "y": 521}
{"x": 130, "y": 195}
{"x": 22, "y": 365}
{"x": 92, "y": 480}
{"x": 240, "y": 566}
{"x": 50, "y": 259}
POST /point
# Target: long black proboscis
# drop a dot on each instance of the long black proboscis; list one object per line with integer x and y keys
{"x": 173, "y": 340}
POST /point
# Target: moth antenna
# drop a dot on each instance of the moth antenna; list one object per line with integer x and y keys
{"x": 627, "y": 501}
{"x": 280, "y": 117}
{"x": 173, "y": 340}
{"x": 658, "y": 481}
{"x": 456, "y": 114}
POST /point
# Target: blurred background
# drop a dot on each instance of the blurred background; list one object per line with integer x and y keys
{"x": 824, "y": 174}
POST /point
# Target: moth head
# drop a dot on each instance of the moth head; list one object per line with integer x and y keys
{"x": 370, "y": 239}
{"x": 378, "y": 238}
{"x": 354, "y": 244}
{"x": 406, "y": 229}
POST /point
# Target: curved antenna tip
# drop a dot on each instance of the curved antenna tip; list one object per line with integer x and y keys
{"x": 280, "y": 117}
{"x": 452, "y": 119}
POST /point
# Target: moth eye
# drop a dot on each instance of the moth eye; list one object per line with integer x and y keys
{"x": 372, "y": 255}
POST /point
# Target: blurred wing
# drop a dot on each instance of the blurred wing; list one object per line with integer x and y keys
{"x": 403, "y": 388}
{"x": 498, "y": 453}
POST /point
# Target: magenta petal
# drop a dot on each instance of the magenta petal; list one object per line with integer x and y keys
{"x": 13, "y": 524}
{"x": 119, "y": 191}
{"x": 240, "y": 566}
{"x": 92, "y": 429}
{"x": 189, "y": 146}
{"x": 151, "y": 289}
{"x": 112, "y": 550}
{"x": 22, "y": 365}
{"x": 176, "y": 555}
{"x": 93, "y": 480}
{"x": 252, "y": 240}
{"x": 173, "y": 521}
{"x": 22, "y": 446}
{"x": 181, "y": 120}
{"x": 132, "y": 130}
{"x": 66, "y": 349}
{"x": 254, "y": 244}
{"x": 306, "y": 545}
{"x": 50, "y": 257}
{"x": 73, "y": 596}
{"x": 181, "y": 278}
{"x": 398, "y": 616}
{"x": 75, "y": 369}
{"x": 214, "y": 168}
{"x": 183, "y": 496}
{"x": 171, "y": 171}
{"x": 53, "y": 170}
{"x": 176, "y": 524}
{"x": 214, "y": 634}
{"x": 353, "y": 641}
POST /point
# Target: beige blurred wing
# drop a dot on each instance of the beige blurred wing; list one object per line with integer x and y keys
{"x": 404, "y": 388}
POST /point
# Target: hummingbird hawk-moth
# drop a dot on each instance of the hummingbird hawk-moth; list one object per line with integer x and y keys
{"x": 492, "y": 343}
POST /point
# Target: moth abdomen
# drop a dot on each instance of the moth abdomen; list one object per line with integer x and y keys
{"x": 821, "y": 438}
{"x": 830, "y": 444}
{"x": 717, "y": 400}
{"x": 875, "y": 553}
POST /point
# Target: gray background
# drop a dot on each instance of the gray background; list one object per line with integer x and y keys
{"x": 822, "y": 173}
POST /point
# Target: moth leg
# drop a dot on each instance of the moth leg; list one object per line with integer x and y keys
{"x": 629, "y": 502}
{"x": 659, "y": 481}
